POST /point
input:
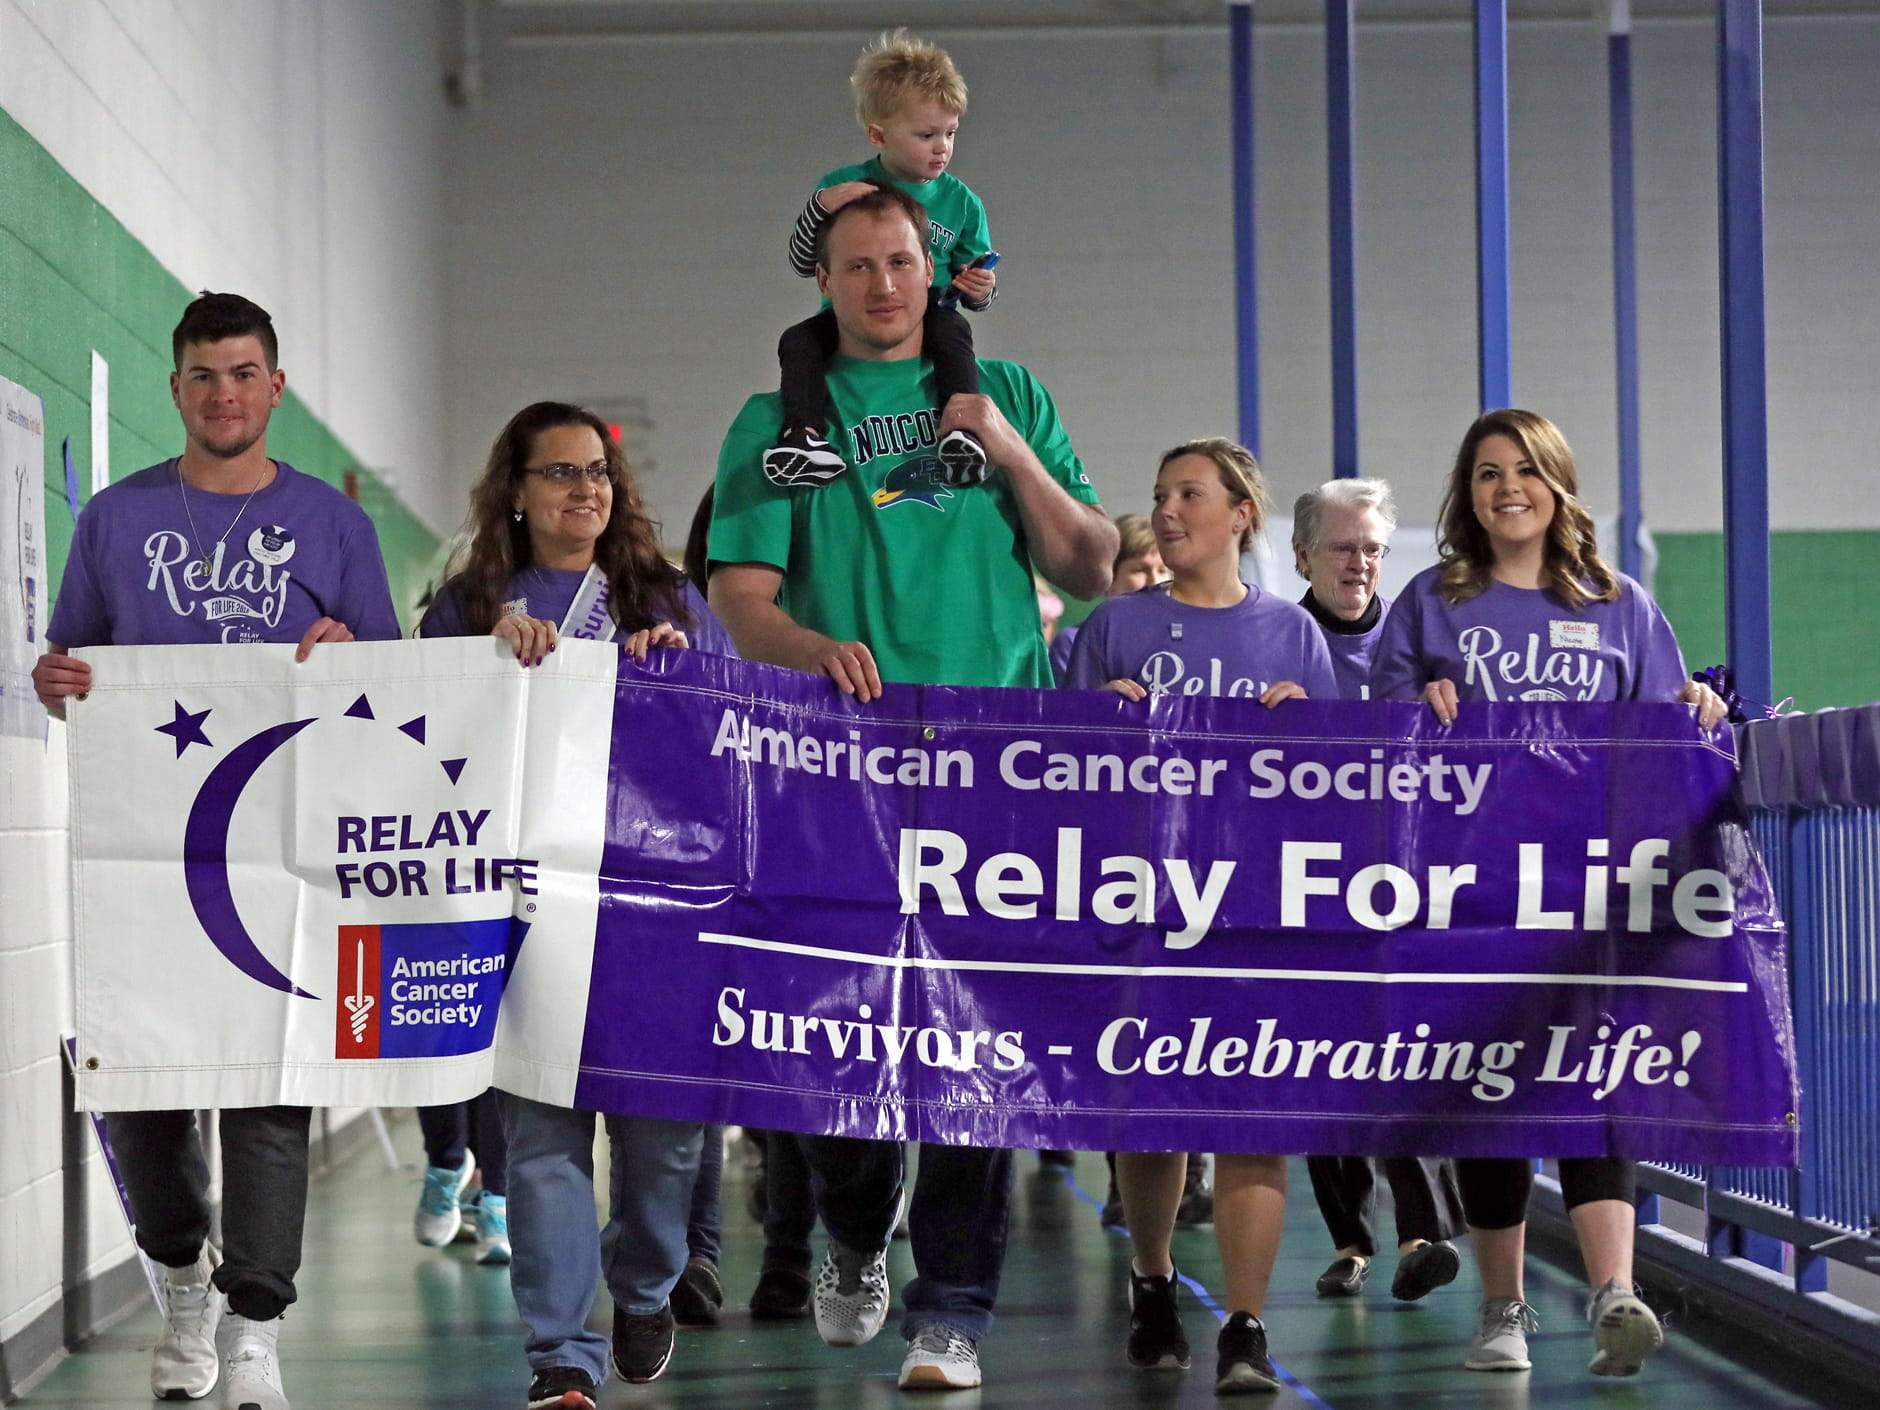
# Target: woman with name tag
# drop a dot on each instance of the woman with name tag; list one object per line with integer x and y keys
{"x": 1204, "y": 632}
{"x": 561, "y": 546}
{"x": 1522, "y": 607}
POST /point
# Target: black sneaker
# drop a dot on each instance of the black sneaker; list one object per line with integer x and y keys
{"x": 780, "y": 1294}
{"x": 1424, "y": 1269}
{"x": 802, "y": 457}
{"x": 1243, "y": 1365}
{"x": 1346, "y": 1278}
{"x": 962, "y": 459}
{"x": 1156, "y": 1341}
{"x": 698, "y": 1295}
{"x": 642, "y": 1345}
{"x": 562, "y": 1388}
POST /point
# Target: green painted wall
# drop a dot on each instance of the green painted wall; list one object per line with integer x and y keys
{"x": 1826, "y": 630}
{"x": 73, "y": 279}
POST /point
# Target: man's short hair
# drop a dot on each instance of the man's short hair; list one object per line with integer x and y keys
{"x": 1309, "y": 510}
{"x": 212, "y": 318}
{"x": 883, "y": 200}
{"x": 898, "y": 68}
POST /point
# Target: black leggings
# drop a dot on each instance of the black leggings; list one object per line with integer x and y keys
{"x": 805, "y": 348}
{"x": 1495, "y": 1192}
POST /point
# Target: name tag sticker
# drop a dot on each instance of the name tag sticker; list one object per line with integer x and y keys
{"x": 1573, "y": 636}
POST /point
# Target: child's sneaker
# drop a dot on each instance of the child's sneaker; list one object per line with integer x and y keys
{"x": 1624, "y": 1330}
{"x": 492, "y": 1223}
{"x": 562, "y": 1388}
{"x": 439, "y": 1215}
{"x": 185, "y": 1365}
{"x": 963, "y": 459}
{"x": 1243, "y": 1364}
{"x": 802, "y": 457}
{"x": 253, "y": 1380}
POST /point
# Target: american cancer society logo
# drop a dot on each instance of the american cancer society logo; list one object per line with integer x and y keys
{"x": 414, "y": 989}
{"x": 425, "y": 990}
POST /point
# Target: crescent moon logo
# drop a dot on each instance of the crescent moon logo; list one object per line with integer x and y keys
{"x": 205, "y": 855}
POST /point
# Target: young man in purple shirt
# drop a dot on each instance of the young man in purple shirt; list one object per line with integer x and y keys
{"x": 220, "y": 544}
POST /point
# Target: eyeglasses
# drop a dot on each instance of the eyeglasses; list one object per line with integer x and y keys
{"x": 562, "y": 473}
{"x": 1369, "y": 552}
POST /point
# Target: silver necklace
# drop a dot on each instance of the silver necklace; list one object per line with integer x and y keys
{"x": 206, "y": 560}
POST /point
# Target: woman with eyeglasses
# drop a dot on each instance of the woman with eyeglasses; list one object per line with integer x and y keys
{"x": 1341, "y": 535}
{"x": 561, "y": 546}
{"x": 1204, "y": 632}
{"x": 1522, "y": 607}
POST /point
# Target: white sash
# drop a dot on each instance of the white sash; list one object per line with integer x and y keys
{"x": 588, "y": 618}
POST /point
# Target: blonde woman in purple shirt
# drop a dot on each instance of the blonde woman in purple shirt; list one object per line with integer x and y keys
{"x": 1522, "y": 607}
{"x": 1204, "y": 632}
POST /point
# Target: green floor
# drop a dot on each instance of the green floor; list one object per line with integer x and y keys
{"x": 382, "y": 1322}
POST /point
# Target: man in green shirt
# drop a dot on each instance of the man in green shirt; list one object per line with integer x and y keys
{"x": 889, "y": 573}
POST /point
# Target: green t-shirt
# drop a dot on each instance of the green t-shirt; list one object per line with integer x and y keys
{"x": 935, "y": 581}
{"x": 956, "y": 234}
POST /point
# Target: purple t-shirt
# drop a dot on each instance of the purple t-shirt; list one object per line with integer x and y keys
{"x": 1515, "y": 643}
{"x": 1352, "y": 651}
{"x": 299, "y": 551}
{"x": 1170, "y": 648}
{"x": 548, "y": 593}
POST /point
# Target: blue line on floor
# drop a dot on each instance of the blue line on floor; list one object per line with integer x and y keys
{"x": 1203, "y": 1296}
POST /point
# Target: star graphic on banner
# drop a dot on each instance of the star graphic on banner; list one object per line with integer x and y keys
{"x": 186, "y": 729}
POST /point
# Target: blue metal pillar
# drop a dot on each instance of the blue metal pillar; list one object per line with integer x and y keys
{"x": 1493, "y": 337}
{"x": 1624, "y": 280}
{"x": 1246, "y": 263}
{"x": 1342, "y": 232}
{"x": 1745, "y": 388}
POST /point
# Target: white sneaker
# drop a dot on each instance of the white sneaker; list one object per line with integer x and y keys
{"x": 851, "y": 1295}
{"x": 939, "y": 1358}
{"x": 439, "y": 1214}
{"x": 253, "y": 1379}
{"x": 1625, "y": 1331}
{"x": 185, "y": 1365}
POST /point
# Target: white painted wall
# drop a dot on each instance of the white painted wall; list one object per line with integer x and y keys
{"x": 289, "y": 150}
{"x": 283, "y": 149}
{"x": 618, "y": 217}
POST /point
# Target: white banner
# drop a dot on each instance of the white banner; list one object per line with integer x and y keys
{"x": 308, "y": 884}
{"x": 22, "y": 558}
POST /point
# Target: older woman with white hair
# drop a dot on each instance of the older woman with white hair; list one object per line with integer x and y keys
{"x": 1341, "y": 534}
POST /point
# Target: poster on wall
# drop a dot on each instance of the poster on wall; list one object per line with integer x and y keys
{"x": 23, "y": 605}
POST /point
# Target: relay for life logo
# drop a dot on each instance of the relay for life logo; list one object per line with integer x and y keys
{"x": 416, "y": 989}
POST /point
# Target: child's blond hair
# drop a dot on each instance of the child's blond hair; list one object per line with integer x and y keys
{"x": 898, "y": 68}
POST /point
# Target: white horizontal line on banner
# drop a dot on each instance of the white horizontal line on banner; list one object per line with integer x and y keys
{"x": 1129, "y": 971}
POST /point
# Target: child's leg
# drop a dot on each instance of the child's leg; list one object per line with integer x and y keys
{"x": 803, "y": 354}
{"x": 947, "y": 340}
{"x": 802, "y": 456}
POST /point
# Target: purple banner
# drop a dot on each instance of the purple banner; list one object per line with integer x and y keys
{"x": 1037, "y": 918}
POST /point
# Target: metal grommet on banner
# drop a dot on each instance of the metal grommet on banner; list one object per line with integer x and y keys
{"x": 91, "y": 1064}
{"x": 927, "y": 733}
{"x": 1792, "y": 1119}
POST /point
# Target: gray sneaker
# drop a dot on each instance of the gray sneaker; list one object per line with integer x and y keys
{"x": 253, "y": 1377}
{"x": 1624, "y": 1330}
{"x": 851, "y": 1298}
{"x": 1501, "y": 1344}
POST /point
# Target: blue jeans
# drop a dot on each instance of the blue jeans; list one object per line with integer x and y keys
{"x": 956, "y": 1223}
{"x": 558, "y": 1257}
